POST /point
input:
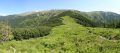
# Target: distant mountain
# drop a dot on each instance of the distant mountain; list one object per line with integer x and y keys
{"x": 52, "y": 18}
{"x": 30, "y": 19}
{"x": 104, "y": 18}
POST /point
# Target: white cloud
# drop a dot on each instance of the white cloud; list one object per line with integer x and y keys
{"x": 1, "y": 14}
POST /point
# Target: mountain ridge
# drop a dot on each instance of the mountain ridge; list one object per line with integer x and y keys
{"x": 99, "y": 18}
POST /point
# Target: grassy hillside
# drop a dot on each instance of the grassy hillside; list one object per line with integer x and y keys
{"x": 70, "y": 37}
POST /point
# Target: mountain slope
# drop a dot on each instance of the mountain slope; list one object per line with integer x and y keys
{"x": 39, "y": 24}
{"x": 19, "y": 19}
{"x": 68, "y": 38}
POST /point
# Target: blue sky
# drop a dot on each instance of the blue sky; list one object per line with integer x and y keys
{"x": 19, "y": 6}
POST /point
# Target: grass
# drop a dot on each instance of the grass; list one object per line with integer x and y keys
{"x": 68, "y": 38}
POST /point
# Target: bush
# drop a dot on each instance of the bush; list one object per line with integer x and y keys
{"x": 26, "y": 33}
{"x": 5, "y": 33}
{"x": 110, "y": 35}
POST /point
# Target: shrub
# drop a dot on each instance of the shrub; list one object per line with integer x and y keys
{"x": 26, "y": 33}
{"x": 5, "y": 33}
